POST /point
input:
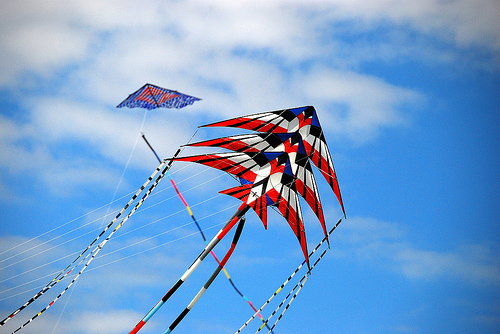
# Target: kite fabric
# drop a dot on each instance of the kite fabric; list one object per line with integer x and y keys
{"x": 267, "y": 179}
{"x": 291, "y": 143}
{"x": 302, "y": 120}
{"x": 151, "y": 97}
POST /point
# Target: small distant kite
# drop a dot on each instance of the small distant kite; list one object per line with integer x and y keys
{"x": 151, "y": 97}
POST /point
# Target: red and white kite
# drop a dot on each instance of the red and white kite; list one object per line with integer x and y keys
{"x": 290, "y": 143}
{"x": 304, "y": 121}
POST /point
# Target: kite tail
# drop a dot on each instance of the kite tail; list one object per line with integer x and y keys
{"x": 211, "y": 279}
{"x": 209, "y": 247}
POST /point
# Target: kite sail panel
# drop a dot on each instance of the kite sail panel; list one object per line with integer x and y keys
{"x": 151, "y": 97}
{"x": 304, "y": 121}
{"x": 290, "y": 143}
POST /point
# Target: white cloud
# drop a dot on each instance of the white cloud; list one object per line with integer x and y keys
{"x": 43, "y": 37}
{"x": 386, "y": 245}
{"x": 371, "y": 104}
{"x": 420, "y": 264}
{"x": 100, "y": 297}
{"x": 463, "y": 22}
{"x": 239, "y": 56}
{"x": 46, "y": 37}
{"x": 115, "y": 321}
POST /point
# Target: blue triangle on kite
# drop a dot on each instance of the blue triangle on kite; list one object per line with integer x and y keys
{"x": 272, "y": 155}
{"x": 301, "y": 149}
{"x": 288, "y": 168}
{"x": 244, "y": 181}
{"x": 298, "y": 111}
{"x": 284, "y": 136}
{"x": 315, "y": 120}
{"x": 269, "y": 201}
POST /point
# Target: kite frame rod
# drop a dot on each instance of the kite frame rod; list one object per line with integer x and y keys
{"x": 240, "y": 212}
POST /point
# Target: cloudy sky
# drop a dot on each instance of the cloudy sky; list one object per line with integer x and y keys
{"x": 408, "y": 96}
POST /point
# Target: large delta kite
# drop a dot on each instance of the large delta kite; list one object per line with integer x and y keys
{"x": 304, "y": 121}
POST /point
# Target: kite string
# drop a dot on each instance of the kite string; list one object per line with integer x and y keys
{"x": 88, "y": 223}
{"x": 126, "y": 166}
{"x": 108, "y": 205}
{"x": 121, "y": 235}
{"x": 63, "y": 310}
{"x": 125, "y": 247}
{"x": 98, "y": 248}
{"x": 52, "y": 230}
{"x": 71, "y": 265}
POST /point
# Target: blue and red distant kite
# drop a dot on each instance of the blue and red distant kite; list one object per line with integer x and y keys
{"x": 151, "y": 97}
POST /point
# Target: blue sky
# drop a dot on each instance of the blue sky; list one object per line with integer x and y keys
{"x": 407, "y": 94}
